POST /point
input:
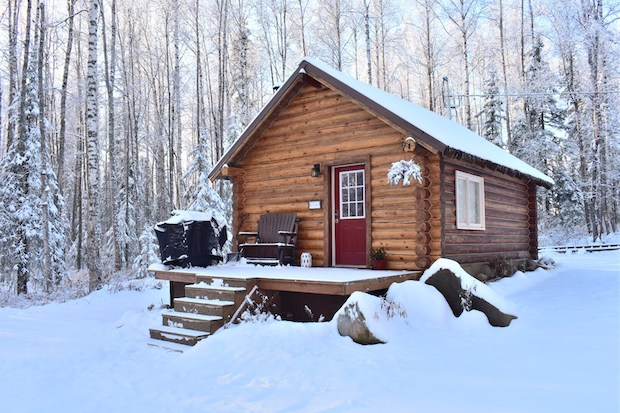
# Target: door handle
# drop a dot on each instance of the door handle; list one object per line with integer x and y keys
{"x": 336, "y": 220}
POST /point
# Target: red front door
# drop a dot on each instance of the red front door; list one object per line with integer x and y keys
{"x": 349, "y": 186}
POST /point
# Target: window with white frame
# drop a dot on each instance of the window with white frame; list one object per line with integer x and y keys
{"x": 469, "y": 201}
{"x": 352, "y": 197}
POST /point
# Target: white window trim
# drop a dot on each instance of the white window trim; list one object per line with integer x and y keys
{"x": 469, "y": 178}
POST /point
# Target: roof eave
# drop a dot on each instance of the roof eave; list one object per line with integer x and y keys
{"x": 374, "y": 107}
{"x": 262, "y": 116}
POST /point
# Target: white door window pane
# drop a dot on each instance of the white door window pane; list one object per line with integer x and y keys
{"x": 352, "y": 194}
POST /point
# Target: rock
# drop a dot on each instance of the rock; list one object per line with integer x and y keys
{"x": 496, "y": 317}
{"x": 352, "y": 323}
{"x": 459, "y": 299}
{"x": 449, "y": 285}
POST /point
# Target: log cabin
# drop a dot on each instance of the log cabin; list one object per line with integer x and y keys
{"x": 322, "y": 146}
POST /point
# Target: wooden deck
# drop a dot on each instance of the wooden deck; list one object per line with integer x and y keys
{"x": 205, "y": 299}
{"x": 315, "y": 280}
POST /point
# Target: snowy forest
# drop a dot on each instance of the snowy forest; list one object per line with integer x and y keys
{"x": 112, "y": 112}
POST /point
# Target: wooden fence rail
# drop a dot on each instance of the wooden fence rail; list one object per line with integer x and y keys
{"x": 575, "y": 248}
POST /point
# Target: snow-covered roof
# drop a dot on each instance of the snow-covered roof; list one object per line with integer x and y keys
{"x": 435, "y": 130}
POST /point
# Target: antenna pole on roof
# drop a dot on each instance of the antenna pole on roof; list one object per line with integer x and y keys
{"x": 447, "y": 97}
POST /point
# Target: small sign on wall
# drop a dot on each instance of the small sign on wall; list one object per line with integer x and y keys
{"x": 314, "y": 204}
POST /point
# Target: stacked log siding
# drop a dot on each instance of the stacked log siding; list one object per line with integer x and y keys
{"x": 510, "y": 228}
{"x": 319, "y": 125}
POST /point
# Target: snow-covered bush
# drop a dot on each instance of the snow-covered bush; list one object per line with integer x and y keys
{"x": 405, "y": 171}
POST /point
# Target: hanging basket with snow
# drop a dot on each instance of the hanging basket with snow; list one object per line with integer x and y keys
{"x": 405, "y": 171}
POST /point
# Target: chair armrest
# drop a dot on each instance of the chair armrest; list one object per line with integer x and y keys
{"x": 287, "y": 236}
{"x": 246, "y": 234}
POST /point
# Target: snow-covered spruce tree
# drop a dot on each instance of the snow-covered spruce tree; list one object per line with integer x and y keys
{"x": 567, "y": 200}
{"x": 536, "y": 135}
{"x": 539, "y": 136}
{"x": 148, "y": 252}
{"x": 53, "y": 221}
{"x": 492, "y": 112}
{"x": 22, "y": 196}
{"x": 20, "y": 202}
{"x": 200, "y": 194}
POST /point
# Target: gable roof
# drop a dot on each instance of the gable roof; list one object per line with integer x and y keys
{"x": 435, "y": 132}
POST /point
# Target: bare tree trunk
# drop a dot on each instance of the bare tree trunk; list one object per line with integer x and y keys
{"x": 170, "y": 128}
{"x": 94, "y": 232}
{"x": 63, "y": 96}
{"x": 466, "y": 82}
{"x": 22, "y": 270}
{"x": 47, "y": 260}
{"x": 338, "y": 33}
{"x": 302, "y": 23}
{"x": 76, "y": 216}
{"x": 429, "y": 51}
{"x": 381, "y": 19}
{"x": 523, "y": 53}
{"x": 110, "y": 75}
{"x": 505, "y": 74}
{"x": 177, "y": 106}
{"x": 13, "y": 12}
{"x": 78, "y": 183}
{"x": 367, "y": 37}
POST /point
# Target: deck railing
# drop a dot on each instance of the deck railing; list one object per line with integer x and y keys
{"x": 247, "y": 300}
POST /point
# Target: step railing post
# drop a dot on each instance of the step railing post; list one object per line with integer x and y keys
{"x": 245, "y": 302}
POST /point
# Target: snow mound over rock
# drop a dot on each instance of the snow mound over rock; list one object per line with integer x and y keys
{"x": 363, "y": 317}
{"x": 421, "y": 303}
{"x": 465, "y": 293}
{"x": 444, "y": 298}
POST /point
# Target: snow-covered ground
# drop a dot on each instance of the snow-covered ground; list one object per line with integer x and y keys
{"x": 560, "y": 355}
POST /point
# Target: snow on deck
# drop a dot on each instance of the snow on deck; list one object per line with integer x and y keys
{"x": 285, "y": 273}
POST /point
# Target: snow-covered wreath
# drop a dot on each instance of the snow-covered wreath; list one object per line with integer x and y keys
{"x": 405, "y": 171}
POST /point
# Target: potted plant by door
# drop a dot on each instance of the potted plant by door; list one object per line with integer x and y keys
{"x": 377, "y": 258}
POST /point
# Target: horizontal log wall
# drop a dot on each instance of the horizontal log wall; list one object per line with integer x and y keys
{"x": 322, "y": 126}
{"x": 508, "y": 234}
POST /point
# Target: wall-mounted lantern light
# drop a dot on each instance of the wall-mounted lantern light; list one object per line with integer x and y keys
{"x": 409, "y": 144}
{"x": 316, "y": 170}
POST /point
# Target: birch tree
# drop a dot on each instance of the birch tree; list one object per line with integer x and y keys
{"x": 464, "y": 15}
{"x": 92, "y": 149}
{"x": 596, "y": 33}
{"x": 274, "y": 20}
{"x": 331, "y": 31}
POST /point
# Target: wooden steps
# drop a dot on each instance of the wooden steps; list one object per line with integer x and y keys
{"x": 223, "y": 282}
{"x": 200, "y": 322}
{"x": 178, "y": 335}
{"x": 206, "y": 307}
{"x": 209, "y": 292}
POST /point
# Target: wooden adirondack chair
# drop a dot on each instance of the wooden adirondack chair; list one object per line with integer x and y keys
{"x": 274, "y": 242}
